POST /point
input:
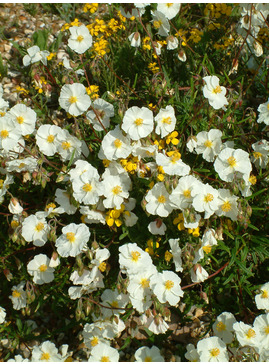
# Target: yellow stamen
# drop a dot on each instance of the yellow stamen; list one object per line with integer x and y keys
{"x": 71, "y": 237}
{"x": 187, "y": 193}
{"x": 116, "y": 190}
{"x": 94, "y": 341}
{"x": 217, "y": 90}
{"x": 72, "y": 99}
{"x": 161, "y": 199}
{"x": 118, "y": 143}
{"x": 157, "y": 24}
{"x": 45, "y": 356}
{"x": 167, "y": 120}
{"x": 102, "y": 266}
{"x": 138, "y": 121}
{"x": 208, "y": 144}
{"x": 264, "y": 294}
{"x": 104, "y": 358}
{"x": 232, "y": 161}
{"x": 214, "y": 352}
{"x": 135, "y": 256}
{"x": 66, "y": 145}
{"x": 4, "y": 134}
{"x": 207, "y": 249}
{"x": 80, "y": 38}
{"x": 226, "y": 207}
{"x": 87, "y": 187}
{"x": 221, "y": 326}
{"x": 148, "y": 359}
{"x": 39, "y": 226}
{"x": 50, "y": 138}
{"x": 20, "y": 119}
{"x": 115, "y": 304}
{"x": 266, "y": 330}
{"x": 250, "y": 334}
{"x": 209, "y": 197}
{"x": 43, "y": 268}
{"x": 144, "y": 282}
{"x": 168, "y": 285}
{"x": 257, "y": 155}
{"x": 16, "y": 293}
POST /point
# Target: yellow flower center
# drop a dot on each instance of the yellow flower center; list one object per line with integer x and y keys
{"x": 50, "y": 205}
{"x": 169, "y": 4}
{"x": 4, "y": 134}
{"x": 168, "y": 256}
{"x": 266, "y": 330}
{"x": 138, "y": 121}
{"x": 221, "y": 326}
{"x": 252, "y": 179}
{"x": 257, "y": 155}
{"x": 217, "y": 90}
{"x": 116, "y": 190}
{"x": 144, "y": 282}
{"x": 118, "y": 143}
{"x": 148, "y": 359}
{"x": 39, "y": 226}
{"x": 16, "y": 293}
{"x": 20, "y": 119}
{"x": 226, "y": 207}
{"x": 167, "y": 120}
{"x": 104, "y": 358}
{"x": 232, "y": 161}
{"x": 268, "y": 106}
{"x": 207, "y": 249}
{"x": 94, "y": 341}
{"x": 50, "y": 138}
{"x": 87, "y": 187}
{"x": 157, "y": 24}
{"x": 264, "y": 294}
{"x": 208, "y": 144}
{"x": 1, "y": 183}
{"x": 135, "y": 256}
{"x": 70, "y": 237}
{"x": 43, "y": 268}
{"x": 80, "y": 38}
{"x": 72, "y": 99}
{"x": 161, "y": 199}
{"x": 115, "y": 304}
{"x": 66, "y": 145}
{"x": 102, "y": 266}
{"x": 187, "y": 193}
{"x": 214, "y": 352}
{"x": 45, "y": 356}
{"x": 168, "y": 284}
{"x": 250, "y": 334}
{"x": 209, "y": 197}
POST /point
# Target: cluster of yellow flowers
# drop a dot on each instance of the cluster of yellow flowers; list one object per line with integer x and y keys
{"x": 217, "y": 10}
{"x": 196, "y": 35}
{"x": 130, "y": 164}
{"x": 153, "y": 67}
{"x": 92, "y": 91}
{"x": 74, "y": 23}
{"x": 153, "y": 245}
{"x": 227, "y": 42}
{"x": 92, "y": 8}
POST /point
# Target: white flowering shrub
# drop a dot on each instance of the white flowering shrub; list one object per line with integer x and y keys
{"x": 134, "y": 185}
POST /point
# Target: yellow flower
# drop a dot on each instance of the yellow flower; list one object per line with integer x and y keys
{"x": 92, "y": 91}
{"x": 90, "y": 7}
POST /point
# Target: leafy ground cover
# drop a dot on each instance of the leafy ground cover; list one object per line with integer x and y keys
{"x": 134, "y": 182}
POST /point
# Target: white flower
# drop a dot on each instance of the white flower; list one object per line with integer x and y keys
{"x": 156, "y": 324}
{"x": 35, "y": 229}
{"x": 166, "y": 121}
{"x": 246, "y": 335}
{"x": 80, "y": 39}
{"x": 160, "y": 23}
{"x": 158, "y": 201}
{"x": 62, "y": 197}
{"x": 212, "y": 349}
{"x": 262, "y": 299}
{"x": 198, "y": 274}
{"x": 34, "y": 55}
{"x": 135, "y": 39}
{"x": 231, "y": 161}
{"x": 263, "y": 116}
{"x": 209, "y": 144}
{"x": 168, "y": 9}
{"x": 92, "y": 335}
{"x": 47, "y": 138}
{"x": 18, "y": 296}
{"x": 132, "y": 258}
{"x": 100, "y": 116}
{"x": 157, "y": 227}
{"x": 166, "y": 286}
{"x": 137, "y": 122}
{"x": 24, "y": 117}
{"x": 73, "y": 240}
{"x": 18, "y": 358}
{"x": 223, "y": 327}
{"x": 68, "y": 144}
{"x": 176, "y": 252}
{"x": 115, "y": 145}
{"x": 74, "y": 99}
{"x": 139, "y": 282}
{"x": 21, "y": 165}
{"x": 103, "y": 352}
{"x": 15, "y": 207}
{"x": 228, "y": 205}
{"x": 181, "y": 195}
{"x": 261, "y": 326}
{"x": 214, "y": 92}
{"x": 86, "y": 187}
{"x": 172, "y": 164}
{"x": 191, "y": 144}
{"x": 208, "y": 240}
{"x": 92, "y": 216}
{"x": 9, "y": 134}
{"x": 40, "y": 269}
{"x": 47, "y": 351}
{"x": 172, "y": 42}
{"x": 145, "y": 354}
{"x": 261, "y": 153}
{"x": 2, "y": 315}
{"x": 192, "y": 354}
{"x": 115, "y": 189}
{"x": 205, "y": 198}
{"x": 115, "y": 301}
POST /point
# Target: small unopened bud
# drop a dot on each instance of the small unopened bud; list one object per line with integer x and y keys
{"x": 249, "y": 210}
{"x": 95, "y": 245}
